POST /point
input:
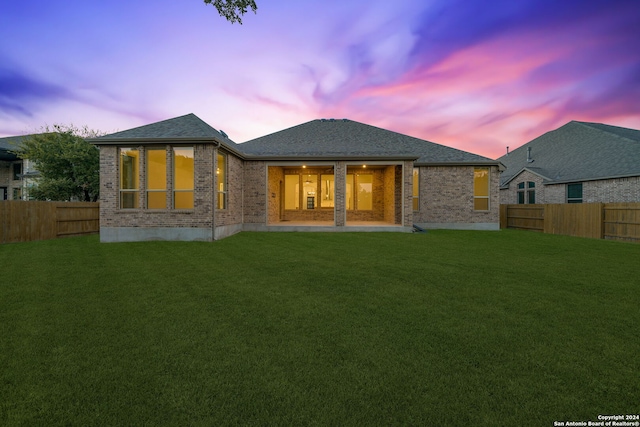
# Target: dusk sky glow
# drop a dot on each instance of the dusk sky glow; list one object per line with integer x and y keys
{"x": 470, "y": 74}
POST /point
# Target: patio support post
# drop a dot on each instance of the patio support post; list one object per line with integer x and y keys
{"x": 340, "y": 176}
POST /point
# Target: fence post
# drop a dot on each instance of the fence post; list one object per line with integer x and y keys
{"x": 600, "y": 222}
{"x": 4, "y": 229}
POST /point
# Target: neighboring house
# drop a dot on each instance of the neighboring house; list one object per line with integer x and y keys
{"x": 17, "y": 176}
{"x": 577, "y": 163}
{"x": 180, "y": 179}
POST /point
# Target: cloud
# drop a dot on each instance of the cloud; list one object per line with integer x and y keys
{"x": 21, "y": 94}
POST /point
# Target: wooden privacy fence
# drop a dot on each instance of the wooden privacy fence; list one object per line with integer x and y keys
{"x": 617, "y": 221}
{"x": 25, "y": 221}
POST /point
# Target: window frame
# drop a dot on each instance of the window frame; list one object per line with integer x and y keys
{"x": 301, "y": 199}
{"x": 478, "y": 197}
{"x": 17, "y": 171}
{"x": 222, "y": 201}
{"x": 305, "y": 205}
{"x": 416, "y": 189}
{"x": 526, "y": 193}
{"x": 356, "y": 199}
{"x": 531, "y": 193}
{"x": 164, "y": 190}
{"x": 521, "y": 194}
{"x": 174, "y": 177}
{"x": 575, "y": 199}
{"x": 136, "y": 177}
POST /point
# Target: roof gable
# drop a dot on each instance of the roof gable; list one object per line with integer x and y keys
{"x": 187, "y": 126}
{"x": 578, "y": 151}
{"x": 184, "y": 128}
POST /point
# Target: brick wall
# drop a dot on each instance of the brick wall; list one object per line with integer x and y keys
{"x": 340, "y": 199}
{"x": 446, "y": 196}
{"x": 276, "y": 180}
{"x": 6, "y": 177}
{"x": 255, "y": 197}
{"x": 235, "y": 187}
{"x": 199, "y": 217}
{"x": 377, "y": 212}
{"x": 408, "y": 194}
{"x": 390, "y": 194}
{"x": 612, "y": 190}
{"x": 601, "y": 191}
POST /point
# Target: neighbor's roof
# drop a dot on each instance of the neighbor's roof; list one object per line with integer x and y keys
{"x": 342, "y": 138}
{"x": 187, "y": 128}
{"x": 10, "y": 144}
{"x": 577, "y": 151}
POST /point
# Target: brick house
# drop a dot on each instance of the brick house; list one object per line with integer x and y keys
{"x": 17, "y": 175}
{"x": 578, "y": 162}
{"x": 181, "y": 179}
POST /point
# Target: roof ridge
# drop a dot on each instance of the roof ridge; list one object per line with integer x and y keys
{"x": 203, "y": 125}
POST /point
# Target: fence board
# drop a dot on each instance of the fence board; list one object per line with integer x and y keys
{"x": 619, "y": 221}
{"x": 526, "y": 217}
{"x": 25, "y": 221}
{"x": 622, "y": 221}
{"x": 574, "y": 219}
{"x": 78, "y": 218}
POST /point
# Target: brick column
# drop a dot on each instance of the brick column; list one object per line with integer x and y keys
{"x": 408, "y": 193}
{"x": 340, "y": 176}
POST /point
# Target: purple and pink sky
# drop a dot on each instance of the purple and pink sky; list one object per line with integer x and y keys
{"x": 478, "y": 75}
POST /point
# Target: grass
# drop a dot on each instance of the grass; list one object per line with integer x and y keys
{"x": 443, "y": 328}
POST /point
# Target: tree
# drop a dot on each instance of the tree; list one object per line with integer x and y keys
{"x": 232, "y": 10}
{"x": 69, "y": 166}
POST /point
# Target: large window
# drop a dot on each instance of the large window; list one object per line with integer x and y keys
{"x": 156, "y": 178}
{"x": 574, "y": 193}
{"x": 221, "y": 177}
{"x": 416, "y": 189}
{"x": 360, "y": 192}
{"x": 183, "y": 177}
{"x": 308, "y": 190}
{"x": 481, "y": 189}
{"x": 129, "y": 178}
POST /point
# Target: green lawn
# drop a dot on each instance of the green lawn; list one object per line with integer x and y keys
{"x": 444, "y": 328}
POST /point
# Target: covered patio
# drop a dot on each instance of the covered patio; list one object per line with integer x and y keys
{"x": 337, "y": 194}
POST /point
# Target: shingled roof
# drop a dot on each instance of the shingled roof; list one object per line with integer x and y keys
{"x": 318, "y": 139}
{"x": 342, "y": 138}
{"x": 577, "y": 151}
{"x": 10, "y": 144}
{"x": 187, "y": 128}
